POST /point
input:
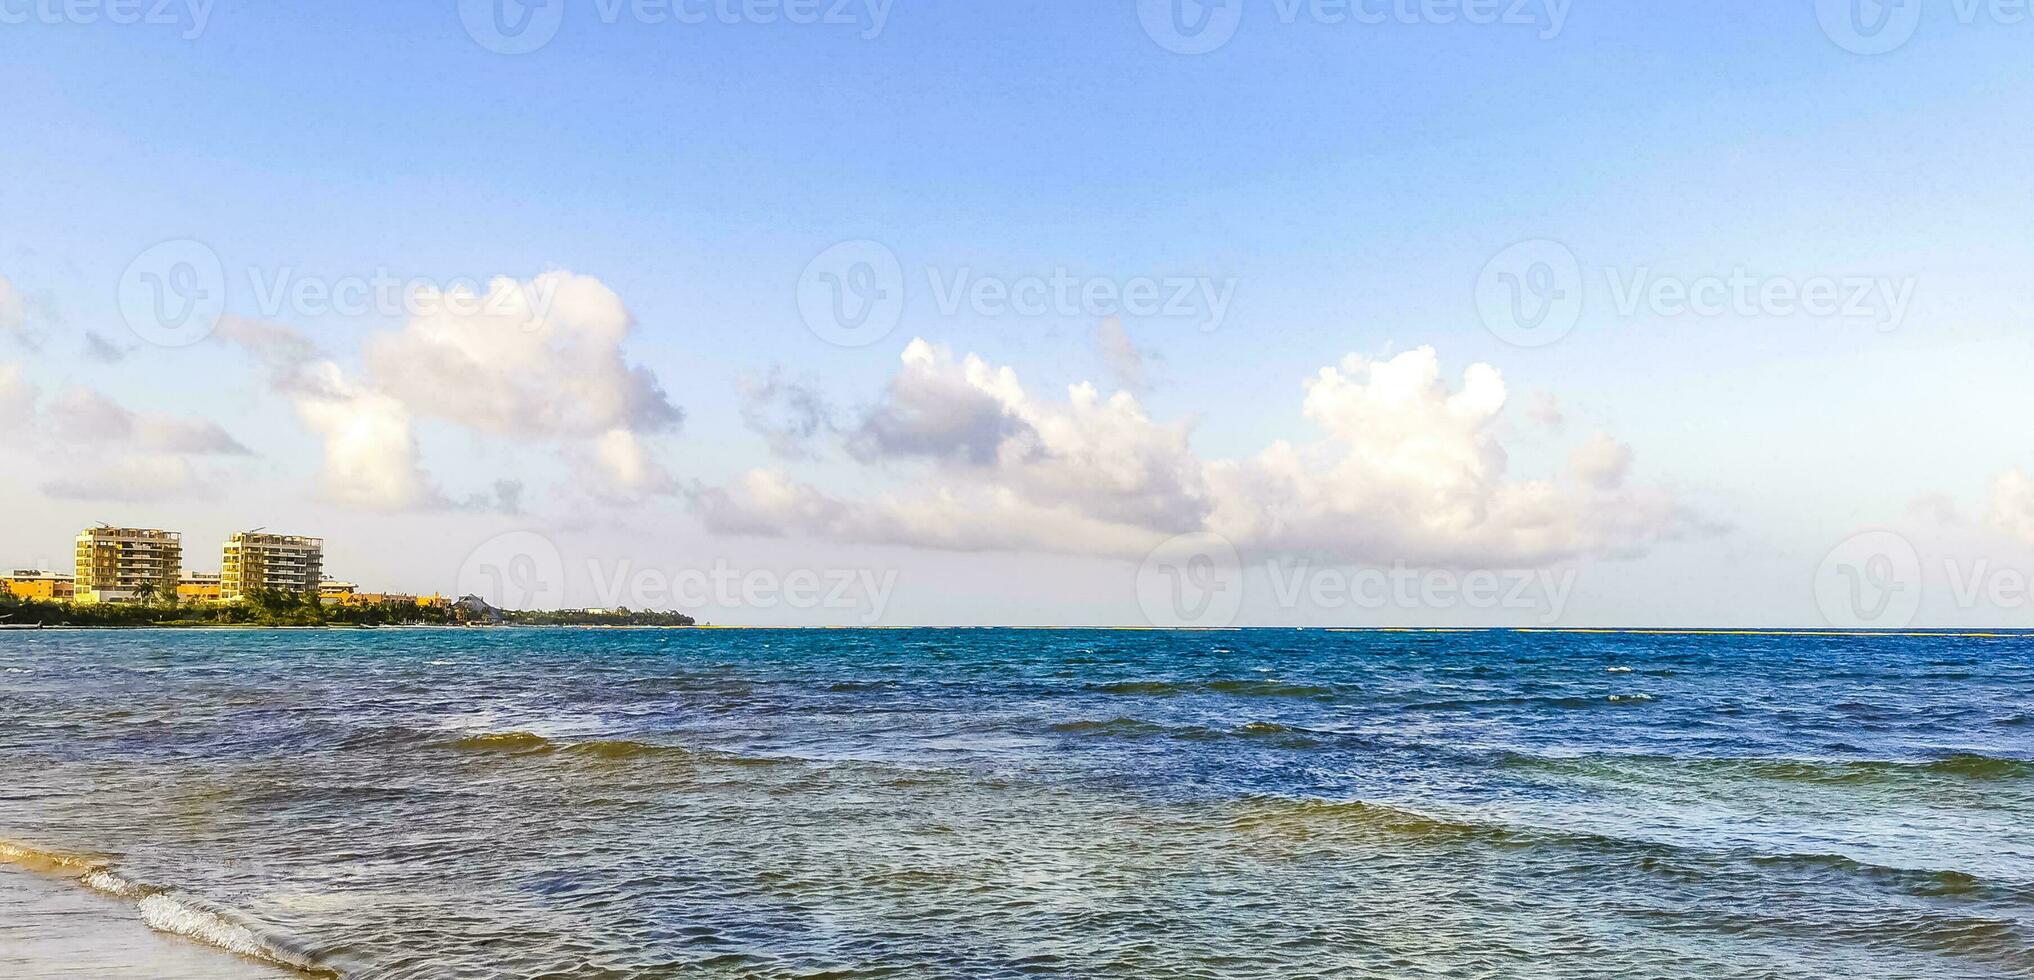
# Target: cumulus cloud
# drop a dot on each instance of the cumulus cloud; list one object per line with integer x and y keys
{"x": 95, "y": 448}
{"x": 537, "y": 361}
{"x": 940, "y": 409}
{"x": 1100, "y": 456}
{"x": 1407, "y": 467}
{"x": 82, "y": 417}
{"x": 541, "y": 358}
{"x": 89, "y": 447}
{"x": 371, "y": 458}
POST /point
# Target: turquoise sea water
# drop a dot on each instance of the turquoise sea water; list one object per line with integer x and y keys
{"x": 992, "y": 803}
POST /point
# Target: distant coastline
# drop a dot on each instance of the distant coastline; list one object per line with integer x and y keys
{"x": 275, "y": 609}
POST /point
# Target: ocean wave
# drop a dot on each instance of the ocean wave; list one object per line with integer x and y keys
{"x": 47, "y": 861}
{"x": 1289, "y": 816}
{"x": 1561, "y": 703}
{"x": 1247, "y": 687}
{"x": 1139, "y": 728}
{"x": 165, "y": 910}
{"x": 1967, "y": 767}
{"x": 107, "y": 883}
{"x": 516, "y": 743}
{"x": 193, "y": 918}
{"x": 604, "y": 749}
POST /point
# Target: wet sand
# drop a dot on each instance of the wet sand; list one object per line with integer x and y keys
{"x": 50, "y": 927}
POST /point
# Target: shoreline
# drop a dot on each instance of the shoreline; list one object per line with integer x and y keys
{"x": 1941, "y": 633}
{"x": 55, "y": 923}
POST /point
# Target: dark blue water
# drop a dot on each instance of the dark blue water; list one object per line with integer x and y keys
{"x": 985, "y": 803}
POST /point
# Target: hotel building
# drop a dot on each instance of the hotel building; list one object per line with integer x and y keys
{"x": 30, "y": 583}
{"x": 198, "y": 587}
{"x": 124, "y": 564}
{"x": 281, "y": 562}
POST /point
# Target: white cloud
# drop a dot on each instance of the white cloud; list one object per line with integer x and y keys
{"x": 771, "y": 503}
{"x": 627, "y": 466}
{"x": 371, "y": 458}
{"x": 1409, "y": 469}
{"x": 2010, "y": 508}
{"x": 1602, "y": 462}
{"x": 1101, "y": 457}
{"x": 93, "y": 448}
{"x": 541, "y": 359}
{"x": 80, "y": 416}
{"x": 530, "y": 361}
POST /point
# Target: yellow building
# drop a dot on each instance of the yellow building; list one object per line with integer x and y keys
{"x": 127, "y": 564}
{"x": 278, "y": 562}
{"x": 333, "y": 593}
{"x": 198, "y": 587}
{"x": 29, "y": 583}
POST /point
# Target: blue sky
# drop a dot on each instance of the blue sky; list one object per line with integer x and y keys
{"x": 1351, "y": 181}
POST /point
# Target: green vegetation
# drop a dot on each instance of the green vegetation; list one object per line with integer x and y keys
{"x": 581, "y": 617}
{"x": 282, "y": 608}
